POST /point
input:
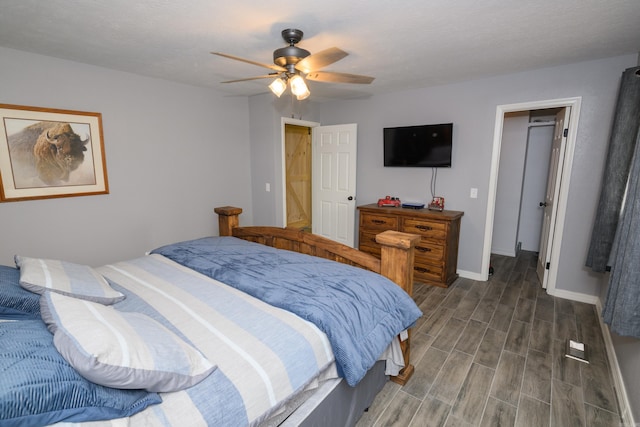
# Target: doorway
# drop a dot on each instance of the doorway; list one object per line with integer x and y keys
{"x": 286, "y": 199}
{"x": 297, "y": 170}
{"x": 522, "y": 179}
{"x": 319, "y": 180}
{"x": 563, "y": 174}
{"x": 534, "y": 184}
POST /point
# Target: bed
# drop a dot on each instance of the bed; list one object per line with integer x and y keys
{"x": 256, "y": 326}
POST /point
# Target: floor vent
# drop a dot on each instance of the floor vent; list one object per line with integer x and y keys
{"x": 577, "y": 351}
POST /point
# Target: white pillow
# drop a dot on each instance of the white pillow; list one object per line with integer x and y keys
{"x": 66, "y": 278}
{"x": 121, "y": 349}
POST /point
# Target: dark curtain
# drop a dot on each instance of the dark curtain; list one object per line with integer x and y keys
{"x": 614, "y": 181}
{"x": 622, "y": 307}
{"x": 615, "y": 240}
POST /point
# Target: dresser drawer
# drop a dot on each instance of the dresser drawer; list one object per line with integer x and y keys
{"x": 368, "y": 243}
{"x": 428, "y": 251}
{"x": 429, "y": 229}
{"x": 378, "y": 222}
{"x": 427, "y": 272}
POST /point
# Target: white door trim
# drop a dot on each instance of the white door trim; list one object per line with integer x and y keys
{"x": 283, "y": 178}
{"x": 565, "y": 170}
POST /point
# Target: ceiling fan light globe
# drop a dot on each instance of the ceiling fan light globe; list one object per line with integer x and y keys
{"x": 304, "y": 95}
{"x": 278, "y": 86}
{"x": 299, "y": 87}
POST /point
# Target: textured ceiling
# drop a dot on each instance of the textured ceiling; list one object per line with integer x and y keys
{"x": 403, "y": 44}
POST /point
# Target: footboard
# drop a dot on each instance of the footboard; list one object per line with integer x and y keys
{"x": 396, "y": 262}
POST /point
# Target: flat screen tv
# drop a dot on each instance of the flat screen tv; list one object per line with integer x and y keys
{"x": 418, "y": 146}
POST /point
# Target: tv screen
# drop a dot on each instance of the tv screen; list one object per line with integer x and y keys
{"x": 418, "y": 146}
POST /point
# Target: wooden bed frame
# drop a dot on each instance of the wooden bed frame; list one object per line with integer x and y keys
{"x": 396, "y": 262}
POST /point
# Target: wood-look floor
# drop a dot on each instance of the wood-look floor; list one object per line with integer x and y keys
{"x": 492, "y": 354}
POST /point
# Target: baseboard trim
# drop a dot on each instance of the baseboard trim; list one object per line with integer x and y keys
{"x": 620, "y": 390}
{"x": 471, "y": 275}
{"x": 573, "y": 296}
{"x": 506, "y": 252}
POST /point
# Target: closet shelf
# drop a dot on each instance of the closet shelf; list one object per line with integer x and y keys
{"x": 545, "y": 123}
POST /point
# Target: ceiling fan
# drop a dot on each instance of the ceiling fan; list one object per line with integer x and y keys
{"x": 292, "y": 64}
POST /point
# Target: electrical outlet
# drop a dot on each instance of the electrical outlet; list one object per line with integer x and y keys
{"x": 473, "y": 193}
{"x": 267, "y": 187}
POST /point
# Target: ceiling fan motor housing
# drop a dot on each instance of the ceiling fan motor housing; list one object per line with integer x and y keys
{"x": 291, "y": 54}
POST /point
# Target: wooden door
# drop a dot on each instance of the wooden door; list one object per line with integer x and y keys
{"x": 553, "y": 188}
{"x": 298, "y": 176}
{"x": 334, "y": 182}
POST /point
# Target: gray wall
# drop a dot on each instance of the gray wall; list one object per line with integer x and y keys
{"x": 266, "y": 113}
{"x": 471, "y": 106}
{"x": 173, "y": 153}
{"x": 264, "y": 136}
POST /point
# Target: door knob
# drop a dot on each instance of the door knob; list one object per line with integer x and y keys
{"x": 543, "y": 204}
{"x": 350, "y": 198}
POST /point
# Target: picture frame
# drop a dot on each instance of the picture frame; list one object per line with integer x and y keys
{"x": 49, "y": 153}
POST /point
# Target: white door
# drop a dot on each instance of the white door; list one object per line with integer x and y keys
{"x": 553, "y": 188}
{"x": 334, "y": 182}
{"x": 534, "y": 187}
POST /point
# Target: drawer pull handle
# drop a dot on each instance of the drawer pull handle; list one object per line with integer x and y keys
{"x": 421, "y": 249}
{"x": 424, "y": 227}
{"x": 421, "y": 269}
{"x": 378, "y": 221}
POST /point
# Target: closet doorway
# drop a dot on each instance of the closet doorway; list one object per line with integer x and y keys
{"x": 297, "y": 171}
{"x": 554, "y": 208}
{"x": 525, "y": 154}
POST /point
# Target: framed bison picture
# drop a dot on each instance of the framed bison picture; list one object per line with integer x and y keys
{"x": 46, "y": 153}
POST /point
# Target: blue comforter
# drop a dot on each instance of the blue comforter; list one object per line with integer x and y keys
{"x": 360, "y": 311}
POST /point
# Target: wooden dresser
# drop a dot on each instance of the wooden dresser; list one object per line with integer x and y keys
{"x": 436, "y": 255}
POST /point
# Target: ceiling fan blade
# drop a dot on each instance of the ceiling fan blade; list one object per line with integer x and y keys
{"x": 248, "y": 61}
{"x": 331, "y": 77}
{"x": 266, "y": 76}
{"x": 320, "y": 59}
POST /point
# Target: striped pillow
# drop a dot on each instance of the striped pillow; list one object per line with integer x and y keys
{"x": 121, "y": 349}
{"x": 66, "y": 278}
